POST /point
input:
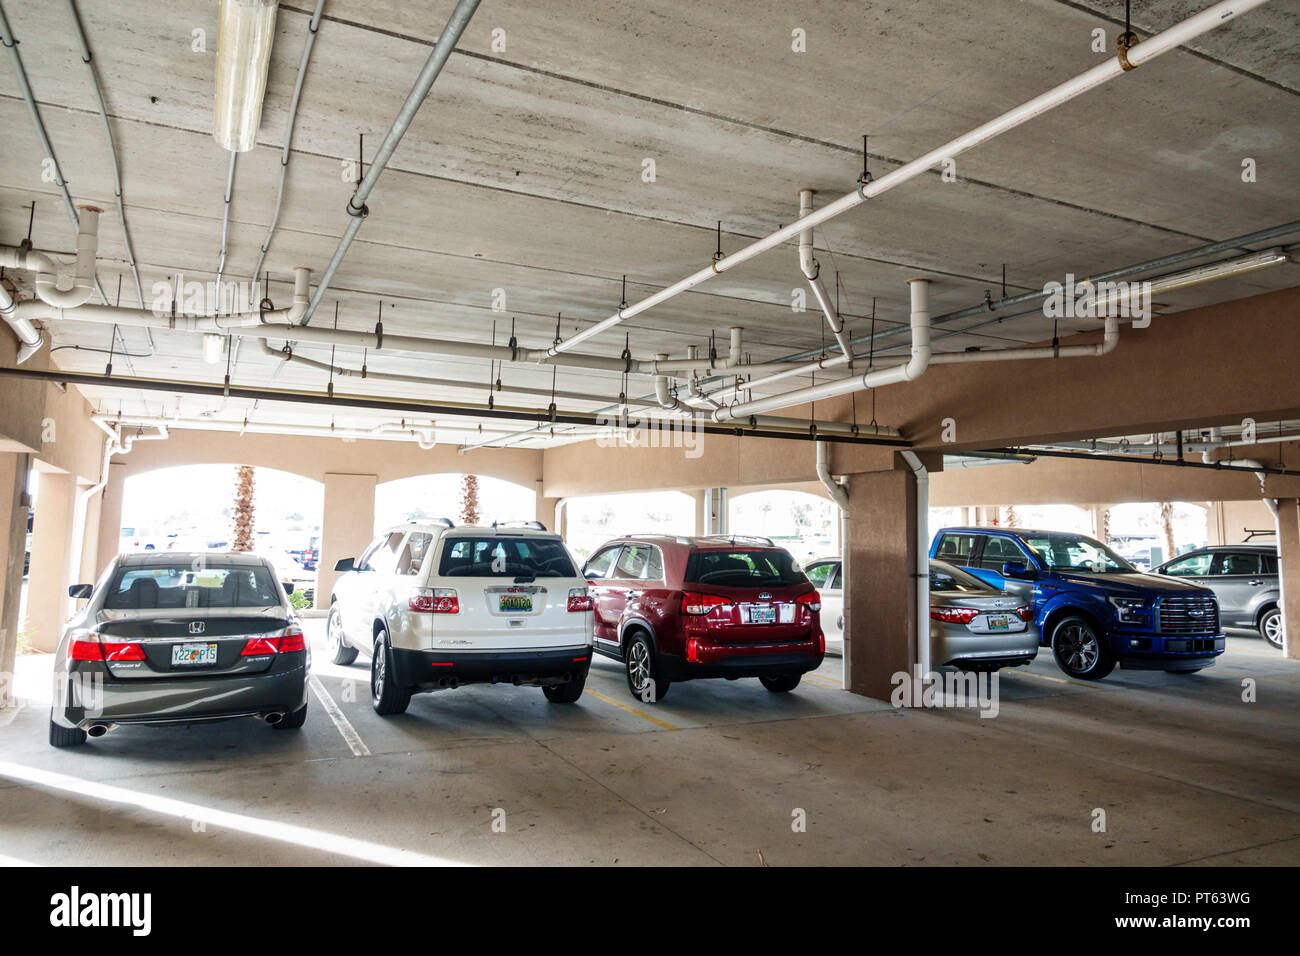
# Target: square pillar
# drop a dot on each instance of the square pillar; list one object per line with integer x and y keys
{"x": 882, "y": 625}
{"x": 1288, "y": 547}
{"x": 347, "y": 526}
{"x": 13, "y": 535}
{"x": 53, "y": 564}
{"x": 109, "y": 538}
{"x": 547, "y": 514}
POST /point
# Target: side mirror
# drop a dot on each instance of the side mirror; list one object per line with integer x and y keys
{"x": 289, "y": 587}
{"x": 80, "y": 590}
{"x": 345, "y": 564}
{"x": 1017, "y": 569}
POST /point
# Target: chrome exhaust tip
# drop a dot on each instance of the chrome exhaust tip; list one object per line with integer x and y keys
{"x": 273, "y": 718}
{"x": 98, "y": 730}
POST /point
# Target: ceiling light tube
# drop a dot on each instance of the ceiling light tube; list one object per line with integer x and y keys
{"x": 243, "y": 53}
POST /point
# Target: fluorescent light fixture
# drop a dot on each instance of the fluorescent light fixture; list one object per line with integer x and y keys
{"x": 243, "y": 53}
{"x": 1199, "y": 275}
{"x": 212, "y": 345}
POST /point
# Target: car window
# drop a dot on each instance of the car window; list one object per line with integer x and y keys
{"x": 1065, "y": 552}
{"x": 743, "y": 568}
{"x": 631, "y": 564}
{"x": 1192, "y": 565}
{"x": 999, "y": 551}
{"x": 600, "y": 562}
{"x": 655, "y": 565}
{"x": 384, "y": 558}
{"x": 947, "y": 579}
{"x": 371, "y": 548}
{"x": 956, "y": 547}
{"x": 412, "y": 556}
{"x": 837, "y": 581}
{"x": 1270, "y": 564}
{"x": 493, "y": 556}
{"x": 181, "y": 586}
{"x": 821, "y": 574}
{"x": 1239, "y": 562}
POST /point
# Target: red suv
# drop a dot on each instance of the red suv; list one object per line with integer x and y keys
{"x": 676, "y": 608}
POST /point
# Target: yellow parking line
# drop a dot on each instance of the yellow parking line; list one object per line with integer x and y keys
{"x": 1055, "y": 680}
{"x": 632, "y": 710}
{"x": 823, "y": 681}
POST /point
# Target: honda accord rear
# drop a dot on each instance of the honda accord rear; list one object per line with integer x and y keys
{"x": 176, "y": 638}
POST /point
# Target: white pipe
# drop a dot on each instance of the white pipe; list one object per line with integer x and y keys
{"x": 391, "y": 431}
{"x": 1109, "y": 69}
{"x": 29, "y": 337}
{"x": 1110, "y": 337}
{"x": 840, "y": 495}
{"x": 734, "y": 352}
{"x": 905, "y": 372}
{"x": 812, "y": 272}
{"x": 922, "y": 560}
{"x": 83, "y": 282}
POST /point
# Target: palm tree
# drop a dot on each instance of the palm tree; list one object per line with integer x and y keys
{"x": 243, "y": 516}
{"x": 469, "y": 499}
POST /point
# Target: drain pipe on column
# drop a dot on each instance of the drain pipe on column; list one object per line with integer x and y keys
{"x": 922, "y": 573}
{"x": 840, "y": 495}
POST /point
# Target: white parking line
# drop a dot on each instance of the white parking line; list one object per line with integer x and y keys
{"x": 350, "y": 735}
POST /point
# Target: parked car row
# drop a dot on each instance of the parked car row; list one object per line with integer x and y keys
{"x": 172, "y": 637}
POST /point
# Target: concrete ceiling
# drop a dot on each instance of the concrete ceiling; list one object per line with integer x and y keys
{"x": 523, "y": 169}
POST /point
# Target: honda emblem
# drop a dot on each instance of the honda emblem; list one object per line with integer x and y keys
{"x": 197, "y": 627}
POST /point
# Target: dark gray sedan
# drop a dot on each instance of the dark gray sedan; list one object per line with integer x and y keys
{"x": 174, "y": 638}
{"x": 1244, "y": 577}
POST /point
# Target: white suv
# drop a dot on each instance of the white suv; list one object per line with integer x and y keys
{"x": 437, "y": 606}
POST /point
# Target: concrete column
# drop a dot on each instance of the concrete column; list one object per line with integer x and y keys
{"x": 882, "y": 560}
{"x": 347, "y": 526}
{"x": 53, "y": 564}
{"x": 715, "y": 511}
{"x": 110, "y": 517}
{"x": 701, "y": 512}
{"x": 1288, "y": 545}
{"x": 13, "y": 533}
{"x": 545, "y": 512}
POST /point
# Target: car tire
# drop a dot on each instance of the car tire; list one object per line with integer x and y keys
{"x": 782, "y": 684}
{"x": 293, "y": 720}
{"x": 566, "y": 693}
{"x": 342, "y": 653}
{"x": 1080, "y": 649}
{"x": 61, "y": 736}
{"x": 386, "y": 697}
{"x": 642, "y": 665}
{"x": 1270, "y": 627}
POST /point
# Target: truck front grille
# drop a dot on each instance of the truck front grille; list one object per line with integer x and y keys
{"x": 1189, "y": 614}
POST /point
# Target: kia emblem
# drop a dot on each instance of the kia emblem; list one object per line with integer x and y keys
{"x": 197, "y": 627}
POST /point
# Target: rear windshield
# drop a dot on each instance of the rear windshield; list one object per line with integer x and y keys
{"x": 180, "y": 586}
{"x": 743, "y": 568}
{"x": 944, "y": 577}
{"x": 505, "y": 557}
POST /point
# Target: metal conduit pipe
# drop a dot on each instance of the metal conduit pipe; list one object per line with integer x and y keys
{"x": 1112, "y": 67}
{"x": 356, "y": 208}
{"x": 225, "y": 219}
{"x": 811, "y": 270}
{"x": 905, "y": 372}
{"x": 285, "y": 154}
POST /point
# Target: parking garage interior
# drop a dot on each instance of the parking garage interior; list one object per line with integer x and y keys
{"x": 558, "y": 246}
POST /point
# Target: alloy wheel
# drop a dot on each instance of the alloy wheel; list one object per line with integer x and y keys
{"x": 1079, "y": 647}
{"x": 638, "y": 665}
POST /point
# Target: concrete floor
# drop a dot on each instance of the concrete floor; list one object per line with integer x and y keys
{"x": 1186, "y": 772}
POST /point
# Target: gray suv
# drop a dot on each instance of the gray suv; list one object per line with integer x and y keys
{"x": 1244, "y": 577}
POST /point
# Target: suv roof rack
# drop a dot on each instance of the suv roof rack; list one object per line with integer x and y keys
{"x": 535, "y": 525}
{"x": 445, "y": 522}
{"x": 734, "y": 538}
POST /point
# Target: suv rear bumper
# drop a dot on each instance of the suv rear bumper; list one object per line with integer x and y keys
{"x": 433, "y": 670}
{"x": 735, "y": 661}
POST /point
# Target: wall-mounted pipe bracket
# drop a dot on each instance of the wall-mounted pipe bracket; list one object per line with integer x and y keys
{"x": 1123, "y": 43}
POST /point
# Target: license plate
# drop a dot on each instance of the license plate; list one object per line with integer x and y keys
{"x": 999, "y": 623}
{"x": 193, "y": 655}
{"x": 515, "y": 602}
{"x": 762, "y": 614}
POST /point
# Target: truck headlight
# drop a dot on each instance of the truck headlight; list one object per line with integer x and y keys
{"x": 1130, "y": 610}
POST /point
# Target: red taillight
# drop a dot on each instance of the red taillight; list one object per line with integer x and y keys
{"x": 293, "y": 640}
{"x": 693, "y": 650}
{"x": 700, "y": 604}
{"x": 821, "y": 641}
{"x": 434, "y": 601}
{"x": 954, "y": 615}
{"x": 85, "y": 651}
{"x": 1026, "y": 612}
{"x": 260, "y": 645}
{"x": 813, "y": 601}
{"x": 122, "y": 652}
{"x": 580, "y": 600}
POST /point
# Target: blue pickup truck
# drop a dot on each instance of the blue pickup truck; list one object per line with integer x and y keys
{"x": 1093, "y": 609}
